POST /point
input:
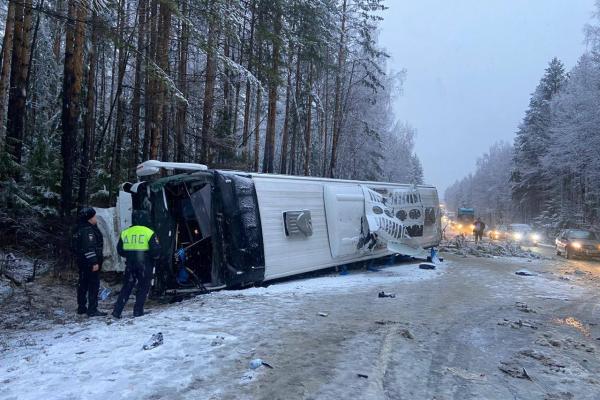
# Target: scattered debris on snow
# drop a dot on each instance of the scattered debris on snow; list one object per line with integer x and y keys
{"x": 524, "y": 307}
{"x": 323, "y": 314}
{"x": 426, "y": 266}
{"x": 487, "y": 249}
{"x": 6, "y": 290}
{"x": 513, "y": 369}
{"x": 518, "y": 324}
{"x": 154, "y": 341}
{"x": 462, "y": 373}
{"x": 20, "y": 269}
{"x": 384, "y": 294}
{"x": 405, "y": 333}
{"x": 217, "y": 341}
{"x": 363, "y": 376}
{"x": 524, "y": 272}
{"x": 258, "y": 362}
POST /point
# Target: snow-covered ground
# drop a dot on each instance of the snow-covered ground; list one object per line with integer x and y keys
{"x": 204, "y": 339}
{"x": 471, "y": 329}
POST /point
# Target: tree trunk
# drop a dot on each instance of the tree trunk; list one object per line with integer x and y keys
{"x": 286, "y": 120}
{"x": 248, "y": 93}
{"x": 163, "y": 63}
{"x": 272, "y": 103}
{"x": 151, "y": 86}
{"x": 325, "y": 126}
{"x": 73, "y": 71}
{"x": 337, "y": 113}
{"x": 115, "y": 171}
{"x": 7, "y": 46}
{"x": 15, "y": 125}
{"x": 308, "y": 128}
{"x": 209, "y": 92}
{"x": 257, "y": 121}
{"x": 137, "y": 89}
{"x": 58, "y": 31}
{"x": 89, "y": 127}
{"x": 293, "y": 150}
{"x": 181, "y": 123}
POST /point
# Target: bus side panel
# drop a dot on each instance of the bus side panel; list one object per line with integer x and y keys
{"x": 289, "y": 255}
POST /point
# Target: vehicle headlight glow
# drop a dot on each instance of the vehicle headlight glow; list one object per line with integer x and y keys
{"x": 518, "y": 236}
{"x": 472, "y": 226}
{"x": 535, "y": 236}
{"x": 459, "y": 226}
{"x": 576, "y": 245}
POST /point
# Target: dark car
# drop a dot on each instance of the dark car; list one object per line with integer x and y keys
{"x": 578, "y": 243}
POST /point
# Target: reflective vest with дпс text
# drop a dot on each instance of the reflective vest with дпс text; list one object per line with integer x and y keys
{"x": 136, "y": 238}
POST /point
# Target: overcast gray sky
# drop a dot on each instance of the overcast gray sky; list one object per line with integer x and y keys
{"x": 471, "y": 67}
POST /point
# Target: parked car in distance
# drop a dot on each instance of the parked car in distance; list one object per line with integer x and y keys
{"x": 578, "y": 243}
{"x": 520, "y": 233}
{"x": 498, "y": 233}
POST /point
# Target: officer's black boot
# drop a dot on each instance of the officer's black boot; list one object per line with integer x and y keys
{"x": 81, "y": 310}
{"x": 97, "y": 314}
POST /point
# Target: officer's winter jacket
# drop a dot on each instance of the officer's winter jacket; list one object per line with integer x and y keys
{"x": 87, "y": 244}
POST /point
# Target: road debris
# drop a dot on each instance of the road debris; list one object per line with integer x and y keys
{"x": 384, "y": 294}
{"x": 524, "y": 272}
{"x": 322, "y": 314}
{"x": 524, "y": 307}
{"x": 543, "y": 359}
{"x": 518, "y": 324}
{"x": 154, "y": 341}
{"x": 487, "y": 249}
{"x": 405, "y": 333}
{"x": 363, "y": 376}
{"x": 258, "y": 362}
{"x": 462, "y": 373}
{"x": 513, "y": 369}
{"x": 217, "y": 341}
{"x": 427, "y": 266}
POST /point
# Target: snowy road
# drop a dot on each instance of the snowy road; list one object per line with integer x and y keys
{"x": 468, "y": 330}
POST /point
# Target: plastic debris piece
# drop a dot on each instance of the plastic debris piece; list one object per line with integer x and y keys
{"x": 524, "y": 272}
{"x": 426, "y": 266}
{"x": 104, "y": 293}
{"x": 384, "y": 294}
{"x": 323, "y": 314}
{"x": 155, "y": 341}
{"x": 363, "y": 376}
{"x": 258, "y": 362}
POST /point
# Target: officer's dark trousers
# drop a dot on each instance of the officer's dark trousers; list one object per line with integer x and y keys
{"x": 141, "y": 275}
{"x": 87, "y": 288}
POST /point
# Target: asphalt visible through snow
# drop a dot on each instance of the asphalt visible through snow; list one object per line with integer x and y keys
{"x": 471, "y": 329}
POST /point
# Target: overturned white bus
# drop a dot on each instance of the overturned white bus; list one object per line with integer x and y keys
{"x": 223, "y": 228}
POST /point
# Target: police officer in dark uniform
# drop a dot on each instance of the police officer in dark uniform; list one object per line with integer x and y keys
{"x": 141, "y": 249}
{"x": 87, "y": 245}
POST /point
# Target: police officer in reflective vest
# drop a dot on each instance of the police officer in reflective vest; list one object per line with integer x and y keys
{"x": 86, "y": 243}
{"x": 140, "y": 247}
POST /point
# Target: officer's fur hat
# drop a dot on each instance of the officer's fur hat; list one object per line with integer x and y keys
{"x": 140, "y": 217}
{"x": 86, "y": 213}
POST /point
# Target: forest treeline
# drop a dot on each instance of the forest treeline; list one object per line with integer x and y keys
{"x": 90, "y": 88}
{"x": 550, "y": 176}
